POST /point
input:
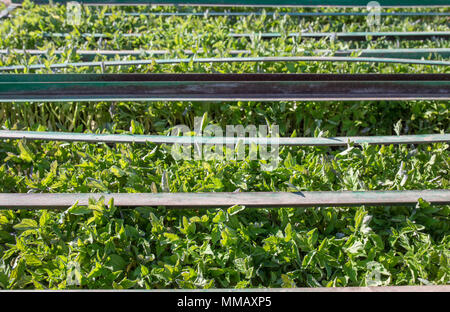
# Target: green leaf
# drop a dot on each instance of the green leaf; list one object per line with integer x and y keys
{"x": 357, "y": 249}
{"x": 172, "y": 237}
{"x": 287, "y": 282}
{"x": 26, "y": 224}
{"x": 116, "y": 263}
{"x": 235, "y": 209}
{"x": 79, "y": 210}
{"x": 117, "y": 171}
{"x": 359, "y": 217}
{"x": 25, "y": 153}
{"x": 3, "y": 280}
{"x": 96, "y": 184}
{"x": 220, "y": 217}
{"x": 18, "y": 270}
{"x": 365, "y": 228}
{"x": 288, "y": 232}
{"x": 44, "y": 219}
{"x": 32, "y": 260}
{"x": 313, "y": 236}
{"x": 6, "y": 237}
{"x": 126, "y": 284}
{"x": 350, "y": 270}
{"x": 144, "y": 271}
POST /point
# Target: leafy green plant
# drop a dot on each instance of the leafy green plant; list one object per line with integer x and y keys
{"x": 101, "y": 247}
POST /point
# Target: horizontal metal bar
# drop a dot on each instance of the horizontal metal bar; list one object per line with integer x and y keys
{"x": 89, "y": 55}
{"x": 292, "y": 14}
{"x": 370, "y": 289}
{"x": 413, "y": 35}
{"x": 222, "y": 87}
{"x": 208, "y": 13}
{"x": 259, "y": 3}
{"x": 160, "y": 139}
{"x": 393, "y": 53}
{"x": 231, "y": 60}
{"x": 248, "y": 199}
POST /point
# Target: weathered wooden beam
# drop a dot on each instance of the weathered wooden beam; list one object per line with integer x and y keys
{"x": 211, "y": 200}
{"x": 223, "y": 87}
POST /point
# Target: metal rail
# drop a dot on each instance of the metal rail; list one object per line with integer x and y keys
{"x": 230, "y": 60}
{"x": 413, "y": 35}
{"x": 223, "y": 87}
{"x": 89, "y": 55}
{"x": 160, "y": 139}
{"x": 208, "y": 13}
{"x": 365, "y": 35}
{"x": 291, "y": 14}
{"x": 213, "y": 200}
{"x": 369, "y": 289}
{"x": 259, "y": 3}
